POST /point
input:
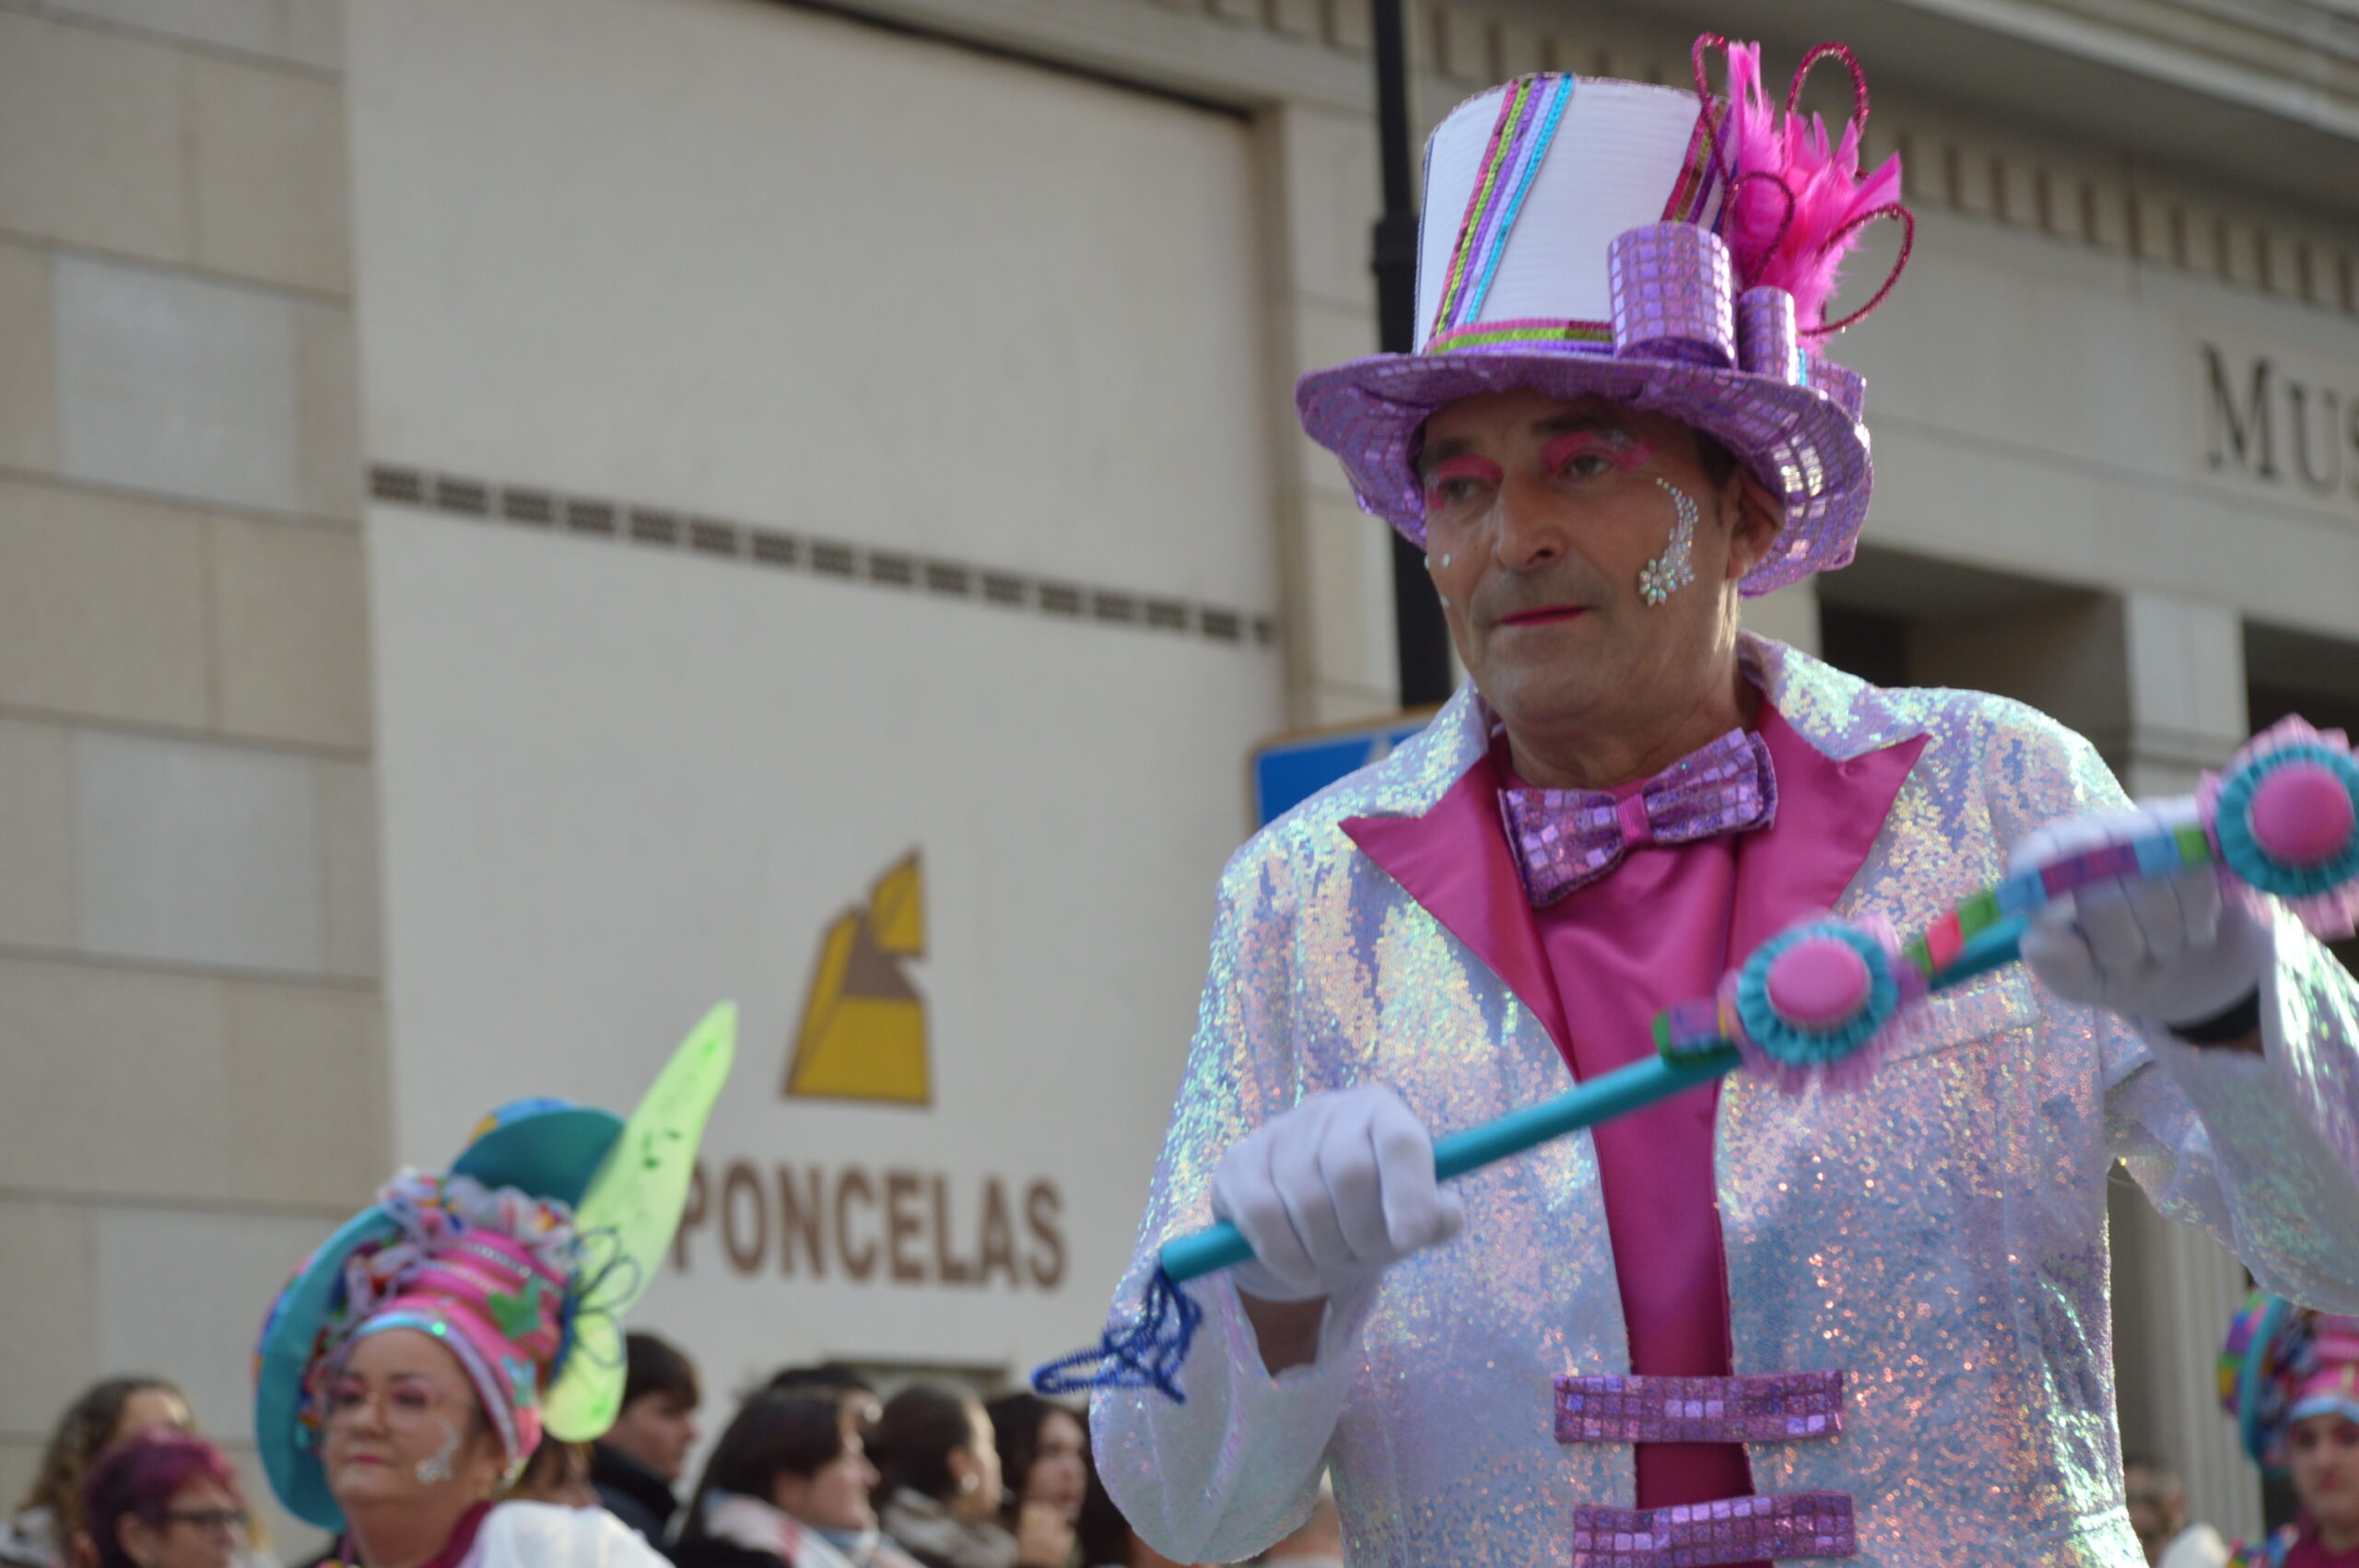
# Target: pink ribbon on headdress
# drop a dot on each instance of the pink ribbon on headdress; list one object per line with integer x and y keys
{"x": 485, "y": 1272}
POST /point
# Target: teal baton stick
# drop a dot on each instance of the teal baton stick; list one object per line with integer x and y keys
{"x": 2286, "y": 824}
{"x": 1222, "y": 1245}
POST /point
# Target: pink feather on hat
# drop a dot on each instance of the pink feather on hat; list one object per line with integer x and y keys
{"x": 1797, "y": 202}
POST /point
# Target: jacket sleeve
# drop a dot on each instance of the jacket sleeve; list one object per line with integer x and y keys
{"x": 1236, "y": 1466}
{"x": 2261, "y": 1152}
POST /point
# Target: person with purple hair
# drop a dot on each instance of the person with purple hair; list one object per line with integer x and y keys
{"x": 164, "y": 1500}
{"x": 109, "y": 1412}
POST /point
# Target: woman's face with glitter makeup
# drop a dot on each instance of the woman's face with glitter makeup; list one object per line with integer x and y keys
{"x": 1540, "y": 515}
{"x": 402, "y": 1428}
{"x": 2322, "y": 1452}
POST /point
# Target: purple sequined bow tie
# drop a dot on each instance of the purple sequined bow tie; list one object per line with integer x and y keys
{"x": 1568, "y": 838}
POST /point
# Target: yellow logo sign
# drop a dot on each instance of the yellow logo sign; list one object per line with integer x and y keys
{"x": 864, "y": 1026}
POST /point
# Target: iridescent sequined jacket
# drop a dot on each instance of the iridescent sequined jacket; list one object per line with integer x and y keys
{"x": 1939, "y": 1235}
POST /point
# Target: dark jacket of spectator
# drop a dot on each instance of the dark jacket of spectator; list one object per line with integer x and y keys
{"x": 635, "y": 1494}
{"x": 706, "y": 1551}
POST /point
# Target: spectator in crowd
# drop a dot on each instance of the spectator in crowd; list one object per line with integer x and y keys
{"x": 787, "y": 1487}
{"x": 939, "y": 1488}
{"x": 643, "y": 1455}
{"x": 106, "y": 1413}
{"x": 1044, "y": 1456}
{"x": 2290, "y": 1379}
{"x": 833, "y": 1380}
{"x": 163, "y": 1498}
{"x": 557, "y": 1473}
{"x": 1106, "y": 1537}
{"x": 2158, "y": 1504}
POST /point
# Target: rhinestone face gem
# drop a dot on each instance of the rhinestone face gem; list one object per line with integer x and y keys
{"x": 1675, "y": 568}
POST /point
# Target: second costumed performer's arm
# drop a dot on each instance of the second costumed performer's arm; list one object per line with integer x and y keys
{"x": 2261, "y": 1149}
{"x": 1330, "y": 1190}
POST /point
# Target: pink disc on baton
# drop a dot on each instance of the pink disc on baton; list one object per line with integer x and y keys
{"x": 2301, "y": 814}
{"x": 1818, "y": 983}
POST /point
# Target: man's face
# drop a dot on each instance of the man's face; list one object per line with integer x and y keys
{"x": 657, "y": 1430}
{"x": 1540, "y": 515}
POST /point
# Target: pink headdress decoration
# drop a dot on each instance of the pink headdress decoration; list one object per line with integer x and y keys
{"x": 486, "y": 1272}
{"x": 1796, "y": 202}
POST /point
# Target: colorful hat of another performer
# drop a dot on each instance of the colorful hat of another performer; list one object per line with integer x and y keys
{"x": 2283, "y": 1363}
{"x": 1665, "y": 249}
{"x": 519, "y": 1261}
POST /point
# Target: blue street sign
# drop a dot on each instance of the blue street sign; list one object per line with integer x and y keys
{"x": 1289, "y": 770}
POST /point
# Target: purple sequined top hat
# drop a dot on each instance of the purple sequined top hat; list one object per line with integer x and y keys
{"x": 1666, "y": 249}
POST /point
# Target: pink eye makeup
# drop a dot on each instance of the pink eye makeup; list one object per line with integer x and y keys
{"x": 1621, "y": 450}
{"x": 1445, "y": 479}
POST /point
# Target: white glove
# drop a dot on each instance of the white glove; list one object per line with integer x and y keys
{"x": 2171, "y": 949}
{"x": 1332, "y": 1191}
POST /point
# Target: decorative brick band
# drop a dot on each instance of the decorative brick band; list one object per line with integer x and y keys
{"x": 1780, "y": 1525}
{"x": 1780, "y": 1407}
{"x": 525, "y": 506}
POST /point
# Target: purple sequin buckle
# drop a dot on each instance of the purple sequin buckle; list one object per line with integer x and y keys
{"x": 1779, "y": 1407}
{"x": 1781, "y": 1524}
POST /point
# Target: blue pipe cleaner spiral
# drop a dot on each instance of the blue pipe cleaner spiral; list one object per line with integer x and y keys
{"x": 1146, "y": 1354}
{"x": 590, "y": 1280}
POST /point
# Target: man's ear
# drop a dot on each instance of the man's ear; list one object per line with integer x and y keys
{"x": 1756, "y": 517}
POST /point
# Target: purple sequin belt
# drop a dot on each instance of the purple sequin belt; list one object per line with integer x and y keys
{"x": 1782, "y": 1406}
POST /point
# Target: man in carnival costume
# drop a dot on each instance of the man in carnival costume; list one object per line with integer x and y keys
{"x": 1865, "y": 1321}
{"x": 2290, "y": 1379}
{"x": 415, "y": 1361}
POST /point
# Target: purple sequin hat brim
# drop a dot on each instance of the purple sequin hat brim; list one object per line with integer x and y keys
{"x": 1802, "y": 444}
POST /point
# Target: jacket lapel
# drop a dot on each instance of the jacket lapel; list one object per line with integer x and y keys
{"x": 1444, "y": 846}
{"x": 1453, "y": 861}
{"x": 1829, "y": 815}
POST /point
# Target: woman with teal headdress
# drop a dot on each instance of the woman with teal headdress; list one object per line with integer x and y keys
{"x": 414, "y": 1363}
{"x": 2290, "y": 1377}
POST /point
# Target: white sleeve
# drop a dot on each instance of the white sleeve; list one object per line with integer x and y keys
{"x": 1236, "y": 1468}
{"x": 541, "y": 1535}
{"x": 2262, "y": 1152}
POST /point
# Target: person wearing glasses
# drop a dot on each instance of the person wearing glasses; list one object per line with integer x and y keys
{"x": 108, "y": 1412}
{"x": 430, "y": 1347}
{"x": 165, "y": 1499}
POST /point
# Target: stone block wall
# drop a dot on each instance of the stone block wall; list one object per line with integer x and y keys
{"x": 191, "y": 1017}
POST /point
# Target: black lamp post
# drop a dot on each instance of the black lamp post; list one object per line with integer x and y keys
{"x": 1423, "y": 637}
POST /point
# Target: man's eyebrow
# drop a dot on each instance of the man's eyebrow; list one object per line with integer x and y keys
{"x": 1603, "y": 421}
{"x": 1565, "y": 423}
{"x": 1442, "y": 452}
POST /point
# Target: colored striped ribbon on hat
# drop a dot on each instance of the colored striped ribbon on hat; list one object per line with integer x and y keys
{"x": 1527, "y": 123}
